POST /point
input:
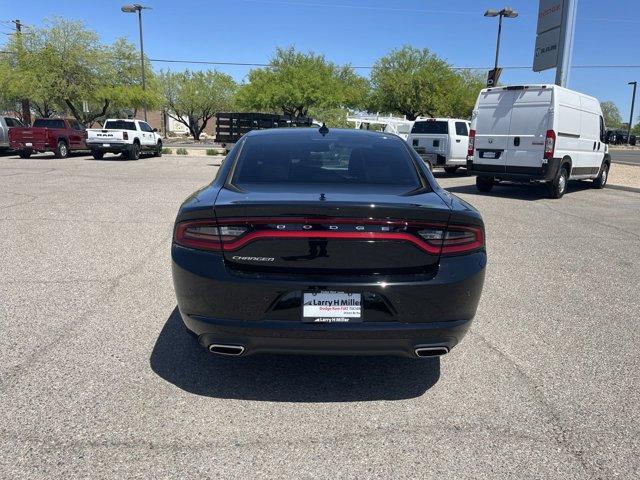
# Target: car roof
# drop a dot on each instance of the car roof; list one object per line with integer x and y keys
{"x": 304, "y": 131}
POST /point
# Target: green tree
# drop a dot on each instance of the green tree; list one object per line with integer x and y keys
{"x": 192, "y": 98}
{"x": 63, "y": 67}
{"x": 296, "y": 82}
{"x": 415, "y": 82}
{"x": 611, "y": 114}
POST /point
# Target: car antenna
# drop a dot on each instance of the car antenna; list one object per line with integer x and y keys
{"x": 323, "y": 129}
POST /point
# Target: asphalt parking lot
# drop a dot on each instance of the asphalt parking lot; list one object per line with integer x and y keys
{"x": 98, "y": 379}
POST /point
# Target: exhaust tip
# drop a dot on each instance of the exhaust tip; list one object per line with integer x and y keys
{"x": 233, "y": 350}
{"x": 424, "y": 352}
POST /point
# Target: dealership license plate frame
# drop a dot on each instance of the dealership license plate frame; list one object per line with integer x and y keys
{"x": 348, "y": 309}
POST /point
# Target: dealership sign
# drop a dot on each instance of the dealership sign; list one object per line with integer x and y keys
{"x": 548, "y": 35}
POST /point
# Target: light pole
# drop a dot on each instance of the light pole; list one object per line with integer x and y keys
{"x": 505, "y": 12}
{"x": 633, "y": 101}
{"x": 136, "y": 7}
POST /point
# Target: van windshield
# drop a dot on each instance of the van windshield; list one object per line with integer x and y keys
{"x": 430, "y": 127}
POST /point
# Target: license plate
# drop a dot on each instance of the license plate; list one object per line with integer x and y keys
{"x": 489, "y": 155}
{"x": 331, "y": 307}
{"x": 106, "y": 144}
{"x": 28, "y": 144}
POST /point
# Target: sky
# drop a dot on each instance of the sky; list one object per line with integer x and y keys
{"x": 358, "y": 32}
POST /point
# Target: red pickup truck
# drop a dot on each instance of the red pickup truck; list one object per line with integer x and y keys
{"x": 58, "y": 135}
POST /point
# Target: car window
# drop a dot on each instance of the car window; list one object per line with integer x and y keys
{"x": 49, "y": 123}
{"x": 461, "y": 129}
{"x": 75, "y": 125}
{"x": 430, "y": 127}
{"x": 332, "y": 159}
{"x": 120, "y": 125}
{"x": 145, "y": 127}
{"x": 12, "y": 122}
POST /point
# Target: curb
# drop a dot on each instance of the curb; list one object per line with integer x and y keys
{"x": 623, "y": 188}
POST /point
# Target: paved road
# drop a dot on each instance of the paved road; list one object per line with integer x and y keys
{"x": 626, "y": 156}
{"x": 98, "y": 379}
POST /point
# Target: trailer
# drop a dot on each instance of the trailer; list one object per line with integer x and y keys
{"x": 231, "y": 126}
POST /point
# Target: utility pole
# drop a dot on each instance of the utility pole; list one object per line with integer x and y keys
{"x": 633, "y": 101}
{"x": 565, "y": 49}
{"x": 136, "y": 7}
{"x": 26, "y": 106}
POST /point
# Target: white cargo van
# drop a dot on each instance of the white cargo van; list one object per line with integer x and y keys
{"x": 441, "y": 142}
{"x": 537, "y": 133}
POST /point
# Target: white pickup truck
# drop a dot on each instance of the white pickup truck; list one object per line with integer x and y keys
{"x": 441, "y": 142}
{"x": 128, "y": 137}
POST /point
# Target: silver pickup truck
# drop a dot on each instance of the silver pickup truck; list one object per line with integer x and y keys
{"x": 5, "y": 124}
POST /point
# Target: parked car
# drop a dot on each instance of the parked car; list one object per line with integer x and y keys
{"x": 5, "y": 124}
{"x": 442, "y": 142}
{"x": 327, "y": 241}
{"x": 231, "y": 126}
{"x": 58, "y": 135}
{"x": 128, "y": 137}
{"x": 537, "y": 133}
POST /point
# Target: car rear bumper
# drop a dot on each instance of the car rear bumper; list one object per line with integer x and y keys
{"x": 263, "y": 314}
{"x": 112, "y": 148}
{"x": 546, "y": 172}
{"x": 33, "y": 146}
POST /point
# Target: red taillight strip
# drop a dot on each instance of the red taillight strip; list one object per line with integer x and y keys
{"x": 405, "y": 237}
{"x": 451, "y": 247}
{"x": 179, "y": 236}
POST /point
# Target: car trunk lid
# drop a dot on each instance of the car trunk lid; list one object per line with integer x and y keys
{"x": 332, "y": 229}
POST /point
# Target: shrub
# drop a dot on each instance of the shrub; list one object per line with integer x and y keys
{"x": 166, "y": 150}
{"x": 212, "y": 151}
{"x": 182, "y": 151}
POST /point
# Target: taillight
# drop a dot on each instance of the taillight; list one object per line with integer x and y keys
{"x": 454, "y": 239}
{"x": 125, "y": 136}
{"x": 206, "y": 235}
{"x": 549, "y": 144}
{"x": 472, "y": 143}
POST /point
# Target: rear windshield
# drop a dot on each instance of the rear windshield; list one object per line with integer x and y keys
{"x": 119, "y": 125}
{"x": 49, "y": 123}
{"x": 430, "y": 126}
{"x": 333, "y": 159}
{"x": 12, "y": 122}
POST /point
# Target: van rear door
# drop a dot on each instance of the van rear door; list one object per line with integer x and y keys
{"x": 493, "y": 118}
{"x": 530, "y": 120}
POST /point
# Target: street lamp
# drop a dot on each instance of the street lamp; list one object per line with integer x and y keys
{"x": 505, "y": 12}
{"x": 633, "y": 101}
{"x": 133, "y": 9}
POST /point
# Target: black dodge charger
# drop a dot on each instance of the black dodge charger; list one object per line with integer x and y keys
{"x": 327, "y": 242}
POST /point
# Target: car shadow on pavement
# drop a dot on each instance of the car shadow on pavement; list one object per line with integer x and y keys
{"x": 179, "y": 359}
{"x": 518, "y": 191}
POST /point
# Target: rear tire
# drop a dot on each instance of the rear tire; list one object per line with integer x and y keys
{"x": 134, "y": 152}
{"x": 450, "y": 170}
{"x": 484, "y": 184}
{"x": 601, "y": 180}
{"x": 158, "y": 150}
{"x": 558, "y": 186}
{"x": 62, "y": 150}
{"x": 25, "y": 153}
{"x": 97, "y": 155}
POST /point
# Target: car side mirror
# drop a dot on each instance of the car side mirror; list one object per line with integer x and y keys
{"x": 155, "y": 129}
